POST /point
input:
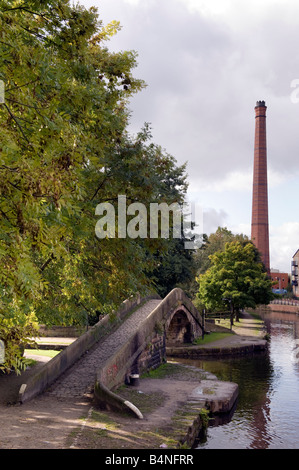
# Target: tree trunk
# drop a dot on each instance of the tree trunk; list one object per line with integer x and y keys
{"x": 232, "y": 312}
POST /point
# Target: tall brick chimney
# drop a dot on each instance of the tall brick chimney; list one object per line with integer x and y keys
{"x": 259, "y": 220}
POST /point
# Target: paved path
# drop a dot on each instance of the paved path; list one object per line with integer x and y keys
{"x": 52, "y": 420}
{"x": 46, "y": 421}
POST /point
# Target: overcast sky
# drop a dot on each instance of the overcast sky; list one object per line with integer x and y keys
{"x": 206, "y": 63}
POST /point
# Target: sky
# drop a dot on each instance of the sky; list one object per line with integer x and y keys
{"x": 206, "y": 63}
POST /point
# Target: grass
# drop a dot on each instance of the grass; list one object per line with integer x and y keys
{"x": 103, "y": 419}
{"x": 42, "y": 352}
{"x": 146, "y": 402}
{"x": 256, "y": 324}
{"x": 164, "y": 370}
{"x": 175, "y": 371}
{"x": 214, "y": 336}
{"x": 116, "y": 430}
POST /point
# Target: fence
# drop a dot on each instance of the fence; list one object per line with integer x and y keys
{"x": 285, "y": 302}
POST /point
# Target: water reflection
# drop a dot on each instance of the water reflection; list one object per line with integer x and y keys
{"x": 267, "y": 411}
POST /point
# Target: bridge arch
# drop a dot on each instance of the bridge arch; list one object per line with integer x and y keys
{"x": 138, "y": 347}
{"x": 175, "y": 318}
{"x": 181, "y": 327}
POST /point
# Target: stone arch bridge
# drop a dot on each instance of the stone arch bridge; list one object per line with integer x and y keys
{"x": 113, "y": 353}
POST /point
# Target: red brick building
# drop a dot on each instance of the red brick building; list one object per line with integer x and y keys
{"x": 281, "y": 278}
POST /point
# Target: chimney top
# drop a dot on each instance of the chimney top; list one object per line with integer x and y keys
{"x": 260, "y": 104}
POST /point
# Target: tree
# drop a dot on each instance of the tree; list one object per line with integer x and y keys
{"x": 64, "y": 149}
{"x": 175, "y": 268}
{"x": 215, "y": 242}
{"x": 104, "y": 272}
{"x": 236, "y": 279}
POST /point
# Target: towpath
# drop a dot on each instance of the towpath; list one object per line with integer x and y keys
{"x": 49, "y": 421}
{"x": 45, "y": 421}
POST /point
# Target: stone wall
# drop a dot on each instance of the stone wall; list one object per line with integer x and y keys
{"x": 62, "y": 331}
{"x": 152, "y": 356}
{"x": 279, "y": 308}
{"x": 54, "y": 368}
{"x": 283, "y": 308}
{"x": 146, "y": 346}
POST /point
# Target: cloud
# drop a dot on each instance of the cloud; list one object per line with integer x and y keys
{"x": 206, "y": 63}
{"x": 284, "y": 242}
{"x": 212, "y": 219}
{"x": 241, "y": 181}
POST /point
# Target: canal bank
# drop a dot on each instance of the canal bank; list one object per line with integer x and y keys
{"x": 247, "y": 336}
{"x": 228, "y": 346}
{"x": 173, "y": 398}
{"x": 267, "y": 412}
{"x": 162, "y": 400}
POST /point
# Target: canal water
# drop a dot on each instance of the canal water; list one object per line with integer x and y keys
{"x": 266, "y": 415}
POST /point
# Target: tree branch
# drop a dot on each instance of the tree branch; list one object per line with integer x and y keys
{"x": 15, "y": 119}
{"x": 47, "y": 262}
{"x": 20, "y": 86}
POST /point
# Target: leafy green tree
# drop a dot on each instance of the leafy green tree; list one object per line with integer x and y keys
{"x": 175, "y": 268}
{"x": 215, "y": 242}
{"x": 104, "y": 272}
{"x": 235, "y": 279}
{"x": 64, "y": 149}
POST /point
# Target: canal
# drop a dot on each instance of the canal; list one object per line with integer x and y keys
{"x": 266, "y": 415}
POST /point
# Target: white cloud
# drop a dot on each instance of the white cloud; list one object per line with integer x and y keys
{"x": 212, "y": 219}
{"x": 284, "y": 242}
{"x": 204, "y": 77}
{"x": 241, "y": 228}
{"x": 237, "y": 181}
{"x": 132, "y": 2}
{"x": 206, "y": 63}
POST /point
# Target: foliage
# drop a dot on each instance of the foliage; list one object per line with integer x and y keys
{"x": 215, "y": 242}
{"x": 204, "y": 415}
{"x": 211, "y": 244}
{"x": 65, "y": 149}
{"x": 176, "y": 268}
{"x": 16, "y": 331}
{"x": 235, "y": 279}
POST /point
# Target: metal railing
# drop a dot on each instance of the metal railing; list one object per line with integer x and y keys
{"x": 285, "y": 302}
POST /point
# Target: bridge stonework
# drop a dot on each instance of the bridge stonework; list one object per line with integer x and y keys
{"x": 113, "y": 351}
{"x": 182, "y": 327}
{"x": 179, "y": 328}
{"x": 151, "y": 357}
{"x": 175, "y": 320}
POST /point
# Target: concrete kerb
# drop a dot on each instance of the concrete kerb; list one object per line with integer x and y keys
{"x": 113, "y": 373}
{"x": 66, "y": 358}
{"x": 104, "y": 395}
{"x": 194, "y": 352}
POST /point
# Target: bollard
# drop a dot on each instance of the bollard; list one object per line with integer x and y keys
{"x": 134, "y": 380}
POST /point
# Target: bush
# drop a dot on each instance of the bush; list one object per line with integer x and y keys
{"x": 17, "y": 332}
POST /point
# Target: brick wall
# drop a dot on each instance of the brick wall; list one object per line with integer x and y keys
{"x": 281, "y": 278}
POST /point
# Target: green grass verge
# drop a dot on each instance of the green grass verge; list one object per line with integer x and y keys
{"x": 214, "y": 336}
{"x": 42, "y": 352}
{"x": 256, "y": 323}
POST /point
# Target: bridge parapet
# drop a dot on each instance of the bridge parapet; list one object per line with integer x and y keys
{"x": 146, "y": 348}
{"x": 54, "y": 368}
